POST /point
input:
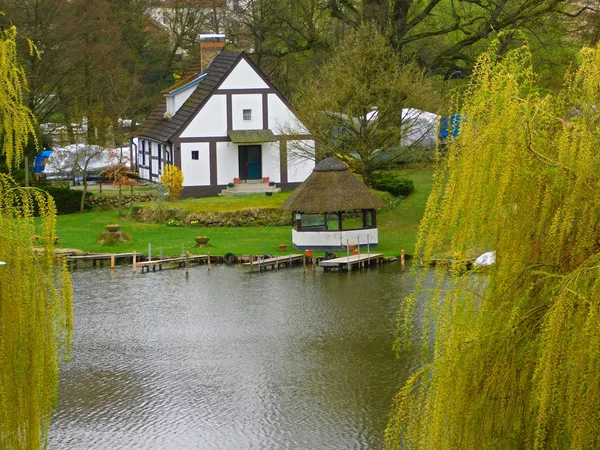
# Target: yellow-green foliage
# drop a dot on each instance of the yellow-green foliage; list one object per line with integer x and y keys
{"x": 514, "y": 361}
{"x": 16, "y": 120}
{"x": 36, "y": 319}
{"x": 172, "y": 178}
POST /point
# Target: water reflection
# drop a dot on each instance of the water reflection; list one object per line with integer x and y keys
{"x": 228, "y": 359}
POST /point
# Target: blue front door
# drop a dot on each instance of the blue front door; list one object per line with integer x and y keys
{"x": 250, "y": 162}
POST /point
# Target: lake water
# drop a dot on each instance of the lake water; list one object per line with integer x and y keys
{"x": 229, "y": 359}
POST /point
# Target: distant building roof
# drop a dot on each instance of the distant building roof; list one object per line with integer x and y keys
{"x": 331, "y": 188}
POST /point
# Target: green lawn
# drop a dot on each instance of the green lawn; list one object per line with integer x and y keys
{"x": 397, "y": 228}
{"x": 232, "y": 203}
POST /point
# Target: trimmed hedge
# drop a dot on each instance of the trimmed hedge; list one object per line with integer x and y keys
{"x": 392, "y": 183}
{"x": 67, "y": 200}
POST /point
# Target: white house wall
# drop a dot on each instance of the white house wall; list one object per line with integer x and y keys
{"x": 243, "y": 77}
{"x": 247, "y": 101}
{"x": 227, "y": 162}
{"x": 270, "y": 161}
{"x": 195, "y": 172}
{"x": 211, "y": 120}
{"x": 281, "y": 119}
{"x": 149, "y": 160}
{"x": 299, "y": 166}
{"x": 182, "y": 96}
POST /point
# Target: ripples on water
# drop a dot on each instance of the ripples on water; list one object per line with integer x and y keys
{"x": 230, "y": 360}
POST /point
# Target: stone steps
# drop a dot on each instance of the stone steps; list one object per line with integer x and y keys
{"x": 249, "y": 189}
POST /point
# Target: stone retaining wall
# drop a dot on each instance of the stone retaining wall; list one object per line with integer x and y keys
{"x": 106, "y": 202}
{"x": 180, "y": 217}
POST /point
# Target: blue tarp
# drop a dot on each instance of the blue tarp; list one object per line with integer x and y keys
{"x": 449, "y": 126}
{"x": 39, "y": 163}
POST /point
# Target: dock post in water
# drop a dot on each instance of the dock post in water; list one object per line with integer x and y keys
{"x": 303, "y": 261}
{"x": 149, "y": 251}
{"x": 187, "y": 263}
{"x": 368, "y": 251}
{"x": 348, "y": 254}
{"x": 208, "y": 260}
{"x": 112, "y": 261}
{"x": 134, "y": 257}
{"x": 402, "y": 259}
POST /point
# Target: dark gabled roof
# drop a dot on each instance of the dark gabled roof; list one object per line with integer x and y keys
{"x": 331, "y": 188}
{"x": 157, "y": 127}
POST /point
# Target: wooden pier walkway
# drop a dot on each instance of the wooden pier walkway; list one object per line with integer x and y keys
{"x": 275, "y": 262}
{"x": 180, "y": 261}
{"x": 352, "y": 261}
{"x": 97, "y": 259}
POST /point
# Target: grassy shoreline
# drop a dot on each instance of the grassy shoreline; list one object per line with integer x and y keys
{"x": 397, "y": 228}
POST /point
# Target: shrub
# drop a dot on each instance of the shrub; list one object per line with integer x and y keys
{"x": 392, "y": 183}
{"x": 67, "y": 200}
{"x": 172, "y": 178}
{"x": 111, "y": 238}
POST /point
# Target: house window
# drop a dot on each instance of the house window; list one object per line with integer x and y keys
{"x": 195, "y": 154}
{"x": 143, "y": 153}
{"x": 247, "y": 114}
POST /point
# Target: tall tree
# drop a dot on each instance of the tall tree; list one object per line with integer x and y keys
{"x": 286, "y": 38}
{"x": 354, "y": 104}
{"x": 515, "y": 359}
{"x": 447, "y": 35}
{"x": 102, "y": 62}
{"x": 35, "y": 290}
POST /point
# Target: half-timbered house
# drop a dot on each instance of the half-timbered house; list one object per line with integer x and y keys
{"x": 224, "y": 122}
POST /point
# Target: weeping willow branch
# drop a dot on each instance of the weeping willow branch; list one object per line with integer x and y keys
{"x": 16, "y": 120}
{"x": 36, "y": 319}
{"x": 513, "y": 360}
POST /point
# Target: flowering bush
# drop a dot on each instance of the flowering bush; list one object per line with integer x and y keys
{"x": 172, "y": 178}
{"x": 173, "y": 223}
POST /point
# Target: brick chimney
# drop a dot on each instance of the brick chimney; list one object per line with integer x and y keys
{"x": 210, "y": 46}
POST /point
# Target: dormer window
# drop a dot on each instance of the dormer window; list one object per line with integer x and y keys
{"x": 247, "y": 114}
{"x": 171, "y": 109}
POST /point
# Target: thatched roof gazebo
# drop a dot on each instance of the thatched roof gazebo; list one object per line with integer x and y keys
{"x": 333, "y": 209}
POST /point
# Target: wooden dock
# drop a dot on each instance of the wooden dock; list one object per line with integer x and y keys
{"x": 353, "y": 261}
{"x": 276, "y": 262}
{"x": 97, "y": 259}
{"x": 180, "y": 261}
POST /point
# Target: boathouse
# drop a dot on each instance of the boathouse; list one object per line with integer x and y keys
{"x": 333, "y": 209}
